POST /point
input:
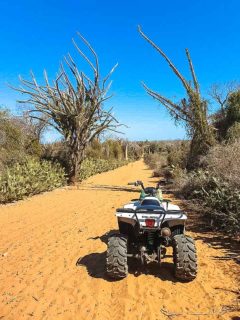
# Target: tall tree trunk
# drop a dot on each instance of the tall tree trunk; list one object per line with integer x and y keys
{"x": 74, "y": 170}
{"x": 77, "y": 158}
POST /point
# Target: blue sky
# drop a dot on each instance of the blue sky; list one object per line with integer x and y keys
{"x": 36, "y": 35}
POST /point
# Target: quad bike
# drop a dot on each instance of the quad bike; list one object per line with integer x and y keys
{"x": 148, "y": 226}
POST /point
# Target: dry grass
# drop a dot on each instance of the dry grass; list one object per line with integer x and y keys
{"x": 223, "y": 161}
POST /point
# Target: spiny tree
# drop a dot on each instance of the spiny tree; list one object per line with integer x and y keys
{"x": 227, "y": 118}
{"x": 73, "y": 104}
{"x": 192, "y": 110}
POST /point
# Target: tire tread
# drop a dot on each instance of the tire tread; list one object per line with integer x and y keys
{"x": 184, "y": 257}
{"x": 116, "y": 261}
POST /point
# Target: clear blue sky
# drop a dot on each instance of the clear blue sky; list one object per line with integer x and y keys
{"x": 36, "y": 34}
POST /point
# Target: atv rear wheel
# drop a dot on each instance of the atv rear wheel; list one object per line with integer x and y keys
{"x": 116, "y": 261}
{"x": 184, "y": 257}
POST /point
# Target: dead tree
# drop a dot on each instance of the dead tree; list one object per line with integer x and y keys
{"x": 192, "y": 111}
{"x": 73, "y": 104}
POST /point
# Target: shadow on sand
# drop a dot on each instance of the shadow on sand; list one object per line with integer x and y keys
{"x": 102, "y": 187}
{"x": 95, "y": 264}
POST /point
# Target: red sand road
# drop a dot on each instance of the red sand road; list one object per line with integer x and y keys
{"x": 43, "y": 237}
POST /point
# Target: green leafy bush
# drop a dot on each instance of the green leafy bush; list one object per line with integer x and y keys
{"x": 29, "y": 178}
{"x": 93, "y": 166}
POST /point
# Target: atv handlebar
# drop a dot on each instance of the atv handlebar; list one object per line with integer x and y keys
{"x": 136, "y": 183}
{"x": 140, "y": 183}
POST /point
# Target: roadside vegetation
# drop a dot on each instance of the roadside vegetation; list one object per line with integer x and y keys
{"x": 74, "y": 105}
{"x": 213, "y": 186}
{"x": 29, "y": 166}
{"x": 28, "y": 178}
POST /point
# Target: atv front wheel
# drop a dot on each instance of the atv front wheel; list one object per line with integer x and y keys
{"x": 184, "y": 257}
{"x": 116, "y": 261}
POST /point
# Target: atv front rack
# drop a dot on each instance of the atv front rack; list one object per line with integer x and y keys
{"x": 150, "y": 211}
{"x": 129, "y": 210}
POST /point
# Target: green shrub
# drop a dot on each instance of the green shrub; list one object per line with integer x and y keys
{"x": 94, "y": 166}
{"x": 29, "y": 178}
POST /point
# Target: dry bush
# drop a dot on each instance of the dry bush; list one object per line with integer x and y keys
{"x": 17, "y": 139}
{"x": 156, "y": 162}
{"x": 233, "y": 132}
{"x": 57, "y": 152}
{"x": 96, "y": 160}
{"x": 178, "y": 154}
{"x": 177, "y": 160}
{"x": 171, "y": 161}
{"x": 217, "y": 186}
{"x": 218, "y": 198}
{"x": 223, "y": 162}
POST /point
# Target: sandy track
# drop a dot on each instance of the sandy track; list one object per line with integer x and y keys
{"x": 52, "y": 256}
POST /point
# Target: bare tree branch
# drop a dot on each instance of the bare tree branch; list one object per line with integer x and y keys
{"x": 172, "y": 66}
{"x": 195, "y": 82}
{"x": 171, "y": 106}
